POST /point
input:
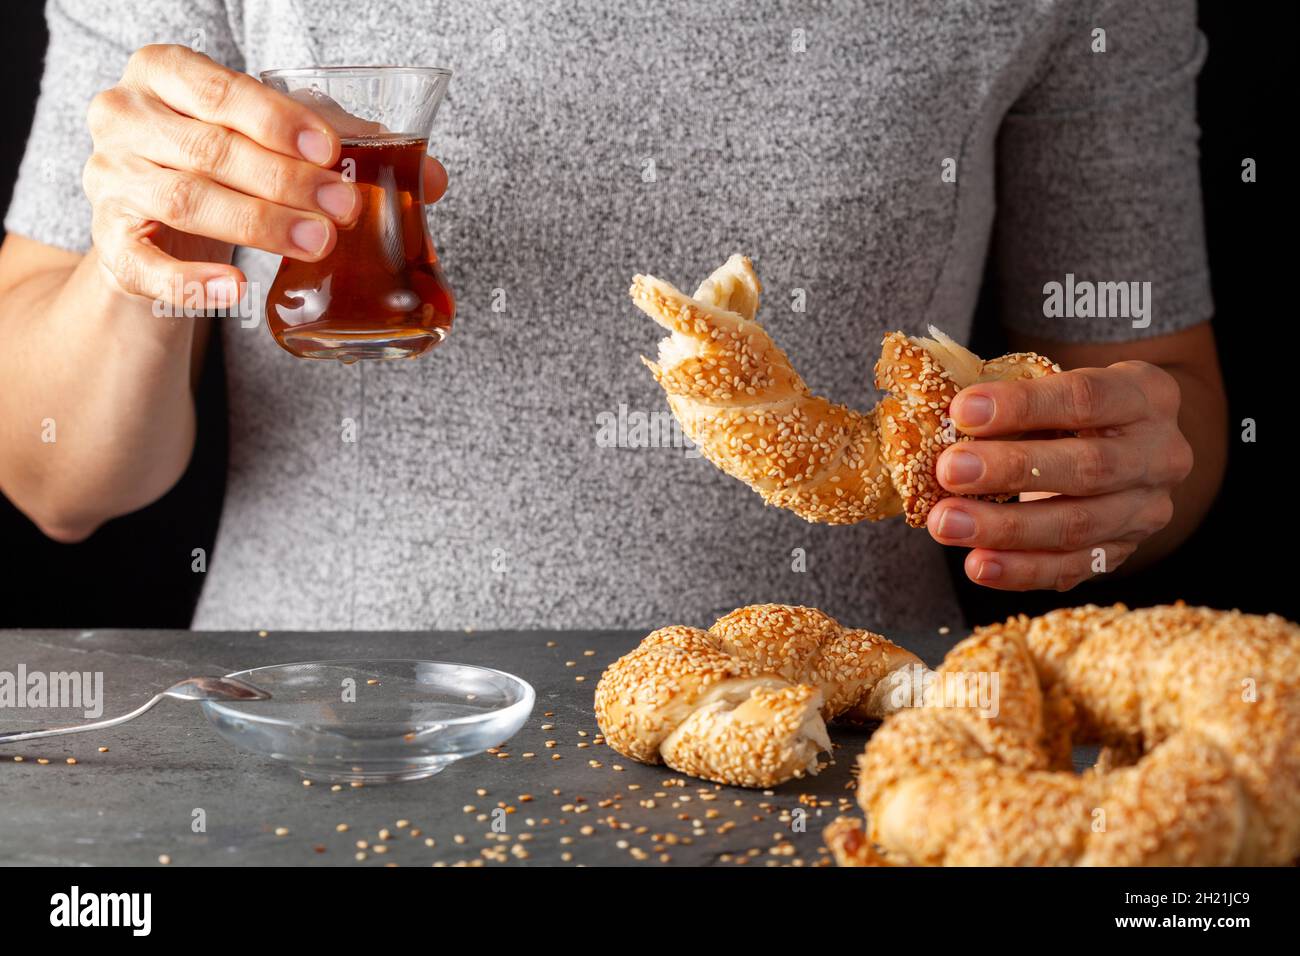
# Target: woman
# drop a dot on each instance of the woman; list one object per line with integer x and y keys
{"x": 869, "y": 159}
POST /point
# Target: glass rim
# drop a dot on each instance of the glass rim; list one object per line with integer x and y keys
{"x": 527, "y": 694}
{"x": 298, "y": 71}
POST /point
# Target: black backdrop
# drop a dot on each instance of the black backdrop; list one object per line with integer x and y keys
{"x": 135, "y": 571}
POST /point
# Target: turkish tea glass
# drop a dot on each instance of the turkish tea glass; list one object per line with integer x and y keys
{"x": 380, "y": 294}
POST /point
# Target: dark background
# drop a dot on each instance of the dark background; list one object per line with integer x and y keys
{"x": 135, "y": 571}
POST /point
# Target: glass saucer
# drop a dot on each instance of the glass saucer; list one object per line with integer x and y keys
{"x": 373, "y": 721}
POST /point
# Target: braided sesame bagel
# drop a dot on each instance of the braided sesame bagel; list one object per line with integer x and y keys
{"x": 1198, "y": 711}
{"x": 745, "y": 702}
{"x": 738, "y": 398}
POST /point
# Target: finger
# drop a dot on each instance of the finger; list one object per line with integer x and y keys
{"x": 234, "y": 160}
{"x": 197, "y": 86}
{"x": 138, "y": 267}
{"x": 1071, "y": 466}
{"x": 1071, "y": 401}
{"x": 1044, "y": 570}
{"x": 1053, "y": 524}
{"x": 435, "y": 180}
{"x": 193, "y": 204}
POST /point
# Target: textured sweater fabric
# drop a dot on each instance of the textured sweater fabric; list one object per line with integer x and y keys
{"x": 587, "y": 141}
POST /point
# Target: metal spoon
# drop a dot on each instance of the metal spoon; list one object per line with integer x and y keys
{"x": 192, "y": 688}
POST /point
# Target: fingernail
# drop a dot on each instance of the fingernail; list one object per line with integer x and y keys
{"x": 962, "y": 468}
{"x": 988, "y": 571}
{"x": 973, "y": 411}
{"x": 314, "y": 146}
{"x": 309, "y": 235}
{"x": 221, "y": 292}
{"x": 337, "y": 199}
{"x": 956, "y": 524}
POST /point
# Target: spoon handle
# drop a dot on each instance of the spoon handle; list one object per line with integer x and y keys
{"x": 17, "y": 735}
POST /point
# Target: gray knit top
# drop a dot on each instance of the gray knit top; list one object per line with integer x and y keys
{"x": 869, "y": 156}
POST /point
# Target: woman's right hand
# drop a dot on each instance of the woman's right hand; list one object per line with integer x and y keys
{"x": 192, "y": 159}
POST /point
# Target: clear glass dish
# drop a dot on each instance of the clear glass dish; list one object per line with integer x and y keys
{"x": 373, "y": 721}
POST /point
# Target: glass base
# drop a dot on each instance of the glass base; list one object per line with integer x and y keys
{"x": 348, "y": 345}
{"x": 371, "y": 775}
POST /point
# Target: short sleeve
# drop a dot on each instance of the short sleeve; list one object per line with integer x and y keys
{"x": 1098, "y": 180}
{"x": 90, "y": 42}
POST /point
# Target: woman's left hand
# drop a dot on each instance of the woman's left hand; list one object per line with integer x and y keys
{"x": 1112, "y": 483}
